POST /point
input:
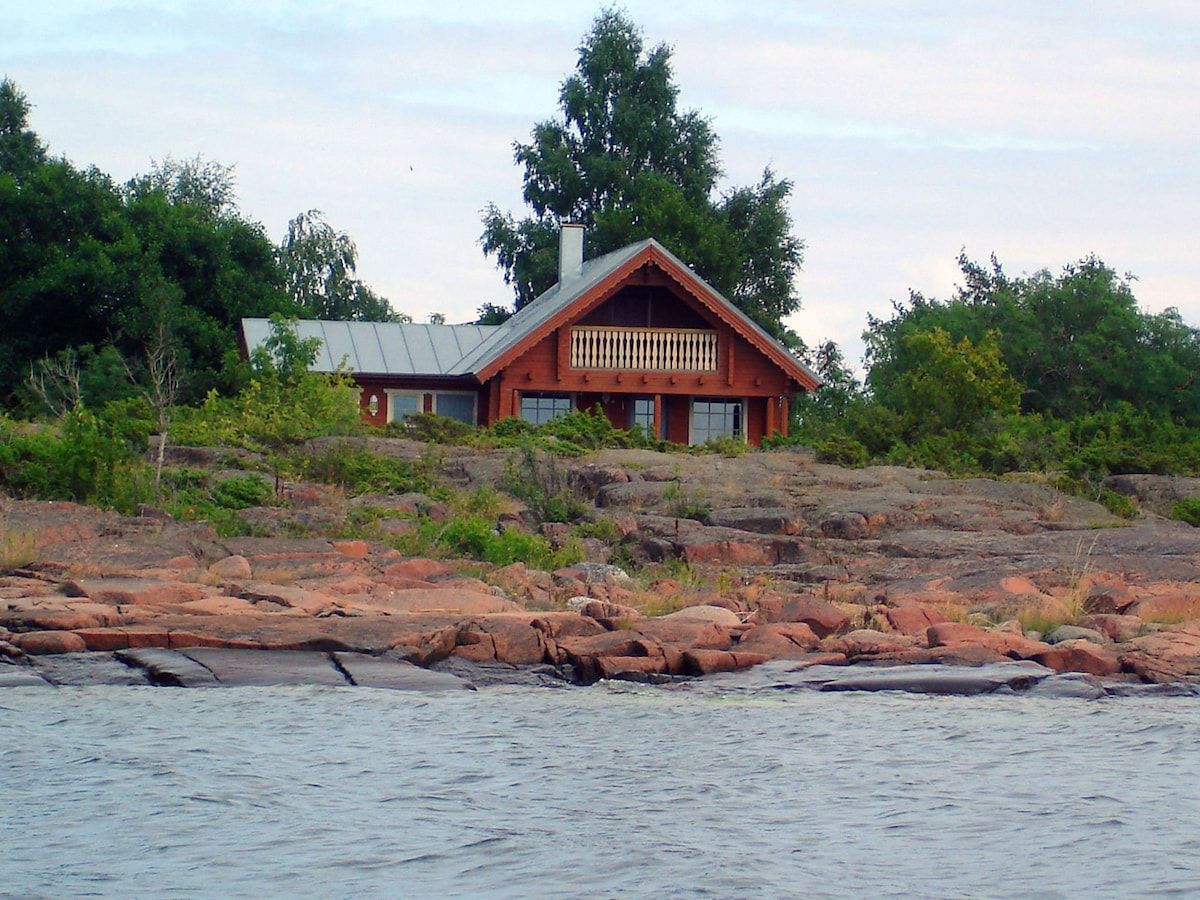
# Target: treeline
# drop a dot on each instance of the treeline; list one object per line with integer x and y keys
{"x": 98, "y": 278}
{"x": 1043, "y": 373}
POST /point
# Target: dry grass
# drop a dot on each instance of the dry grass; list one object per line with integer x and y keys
{"x": 275, "y": 575}
{"x": 17, "y": 549}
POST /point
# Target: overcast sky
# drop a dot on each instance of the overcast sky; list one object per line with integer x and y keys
{"x": 1037, "y": 131}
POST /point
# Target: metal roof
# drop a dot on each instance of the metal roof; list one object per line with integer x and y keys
{"x": 382, "y": 348}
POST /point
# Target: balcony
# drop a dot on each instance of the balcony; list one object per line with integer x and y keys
{"x": 644, "y": 349}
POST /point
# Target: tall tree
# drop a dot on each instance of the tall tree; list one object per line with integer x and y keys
{"x": 21, "y": 152}
{"x": 626, "y": 162}
{"x": 319, "y": 265}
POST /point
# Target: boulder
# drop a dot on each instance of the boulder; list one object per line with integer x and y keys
{"x": 708, "y": 662}
{"x": 704, "y": 613}
{"x": 231, "y": 568}
{"x": 36, "y": 643}
{"x": 779, "y": 640}
{"x": 1080, "y": 655}
{"x": 508, "y": 639}
{"x": 823, "y": 618}
{"x": 865, "y": 642}
{"x": 913, "y": 619}
{"x": 690, "y": 633}
{"x": 1118, "y": 628}
{"x": 1061, "y": 633}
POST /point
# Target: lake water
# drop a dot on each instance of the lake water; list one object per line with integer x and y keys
{"x": 615, "y": 790}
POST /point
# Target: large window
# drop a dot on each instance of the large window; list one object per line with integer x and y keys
{"x": 539, "y": 408}
{"x": 453, "y": 404}
{"x": 716, "y": 419}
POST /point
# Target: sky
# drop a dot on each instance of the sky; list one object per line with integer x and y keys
{"x": 912, "y": 130}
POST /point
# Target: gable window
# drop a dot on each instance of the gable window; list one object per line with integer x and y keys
{"x": 716, "y": 419}
{"x": 539, "y": 408}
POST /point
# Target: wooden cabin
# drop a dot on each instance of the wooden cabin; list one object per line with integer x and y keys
{"x": 635, "y": 332}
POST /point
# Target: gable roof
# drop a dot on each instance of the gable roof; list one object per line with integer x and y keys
{"x": 395, "y": 348}
{"x": 604, "y": 274}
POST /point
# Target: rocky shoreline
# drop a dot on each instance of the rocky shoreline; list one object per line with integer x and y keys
{"x": 789, "y": 560}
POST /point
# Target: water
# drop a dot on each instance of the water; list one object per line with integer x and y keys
{"x": 609, "y": 791}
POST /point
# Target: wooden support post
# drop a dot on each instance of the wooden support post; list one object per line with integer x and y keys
{"x": 784, "y": 416}
{"x": 562, "y": 356}
{"x": 658, "y": 416}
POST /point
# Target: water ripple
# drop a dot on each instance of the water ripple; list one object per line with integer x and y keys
{"x": 621, "y": 790}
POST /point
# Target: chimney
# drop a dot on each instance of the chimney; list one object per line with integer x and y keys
{"x": 570, "y": 251}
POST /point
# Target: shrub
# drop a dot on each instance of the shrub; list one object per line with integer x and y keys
{"x": 1187, "y": 510}
{"x": 357, "y": 471}
{"x": 87, "y": 459}
{"x": 243, "y": 492}
{"x": 475, "y": 537}
{"x": 538, "y": 480}
{"x": 272, "y": 413}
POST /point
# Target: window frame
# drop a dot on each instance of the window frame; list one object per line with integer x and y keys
{"x": 736, "y": 416}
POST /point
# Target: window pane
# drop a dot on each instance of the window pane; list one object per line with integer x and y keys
{"x": 404, "y": 405}
{"x": 716, "y": 419}
{"x": 539, "y": 408}
{"x": 643, "y": 414}
{"x": 455, "y": 406}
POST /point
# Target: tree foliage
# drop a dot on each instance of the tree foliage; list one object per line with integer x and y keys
{"x": 624, "y": 160}
{"x": 319, "y": 265}
{"x": 95, "y": 268}
{"x": 1075, "y": 343}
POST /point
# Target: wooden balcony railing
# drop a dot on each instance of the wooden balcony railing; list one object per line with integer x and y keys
{"x": 644, "y": 349}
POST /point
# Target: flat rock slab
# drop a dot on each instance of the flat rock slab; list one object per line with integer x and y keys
{"x": 87, "y": 669}
{"x": 395, "y": 674}
{"x": 262, "y": 668}
{"x": 917, "y": 678}
{"x": 20, "y": 676}
{"x": 168, "y": 667}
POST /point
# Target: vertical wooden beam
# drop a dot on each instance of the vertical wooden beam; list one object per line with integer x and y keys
{"x": 785, "y": 415}
{"x": 658, "y": 420}
{"x": 562, "y": 355}
{"x": 772, "y": 412}
{"x": 514, "y": 408}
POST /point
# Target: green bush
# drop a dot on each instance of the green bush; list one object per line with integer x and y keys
{"x": 87, "y": 459}
{"x": 271, "y": 413}
{"x": 433, "y": 429}
{"x": 356, "y": 471}
{"x": 243, "y": 492}
{"x": 1187, "y": 510}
